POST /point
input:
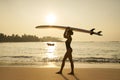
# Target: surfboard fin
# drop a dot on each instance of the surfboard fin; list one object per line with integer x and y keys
{"x": 99, "y": 33}
{"x": 92, "y": 31}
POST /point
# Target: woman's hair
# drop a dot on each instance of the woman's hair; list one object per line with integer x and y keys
{"x": 70, "y": 32}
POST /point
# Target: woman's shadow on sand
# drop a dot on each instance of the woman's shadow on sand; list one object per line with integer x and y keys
{"x": 65, "y": 78}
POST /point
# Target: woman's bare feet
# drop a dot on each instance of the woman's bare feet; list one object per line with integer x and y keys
{"x": 59, "y": 72}
{"x": 71, "y": 73}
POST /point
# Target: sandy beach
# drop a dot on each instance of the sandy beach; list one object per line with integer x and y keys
{"x": 27, "y": 73}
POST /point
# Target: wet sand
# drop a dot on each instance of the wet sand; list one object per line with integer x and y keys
{"x": 28, "y": 73}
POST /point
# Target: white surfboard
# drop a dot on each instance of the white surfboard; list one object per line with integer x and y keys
{"x": 74, "y": 29}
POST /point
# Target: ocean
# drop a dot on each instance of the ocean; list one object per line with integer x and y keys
{"x": 44, "y": 53}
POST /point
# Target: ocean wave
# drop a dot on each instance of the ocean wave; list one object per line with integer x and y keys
{"x": 33, "y": 59}
{"x": 17, "y": 56}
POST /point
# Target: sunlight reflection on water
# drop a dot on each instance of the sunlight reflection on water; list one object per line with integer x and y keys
{"x": 51, "y": 48}
{"x": 42, "y": 53}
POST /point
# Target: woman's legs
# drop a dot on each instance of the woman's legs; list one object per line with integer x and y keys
{"x": 63, "y": 64}
{"x": 67, "y": 55}
{"x": 72, "y": 64}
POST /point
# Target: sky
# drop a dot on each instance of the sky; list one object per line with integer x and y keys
{"x": 22, "y": 16}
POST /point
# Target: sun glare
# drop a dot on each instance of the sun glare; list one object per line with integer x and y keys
{"x": 51, "y": 19}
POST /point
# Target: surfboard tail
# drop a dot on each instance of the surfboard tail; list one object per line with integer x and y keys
{"x": 99, "y": 33}
{"x": 92, "y": 31}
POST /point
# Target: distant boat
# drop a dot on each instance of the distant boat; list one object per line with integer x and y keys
{"x": 50, "y": 44}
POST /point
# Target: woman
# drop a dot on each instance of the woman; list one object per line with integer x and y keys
{"x": 67, "y": 34}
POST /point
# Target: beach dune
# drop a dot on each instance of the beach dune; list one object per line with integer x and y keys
{"x": 26, "y": 73}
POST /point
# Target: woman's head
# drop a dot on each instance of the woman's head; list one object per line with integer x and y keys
{"x": 69, "y": 31}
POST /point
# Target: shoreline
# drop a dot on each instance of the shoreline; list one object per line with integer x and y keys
{"x": 67, "y": 65}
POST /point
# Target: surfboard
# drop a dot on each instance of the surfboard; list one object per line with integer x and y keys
{"x": 73, "y": 28}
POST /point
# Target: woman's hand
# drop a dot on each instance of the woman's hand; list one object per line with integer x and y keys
{"x": 66, "y": 32}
